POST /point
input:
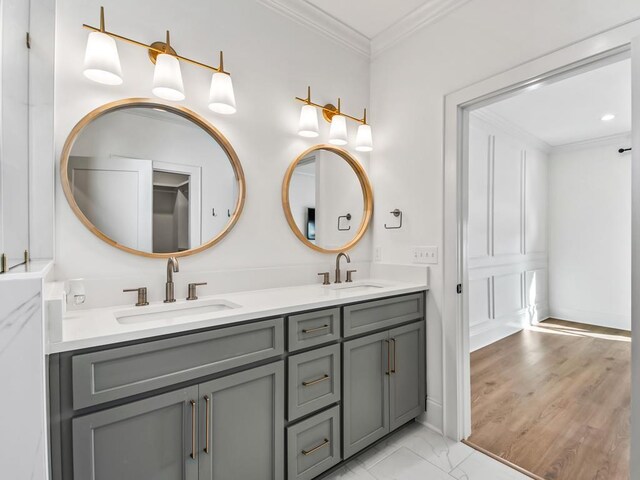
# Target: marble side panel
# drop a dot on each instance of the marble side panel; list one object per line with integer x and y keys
{"x": 22, "y": 403}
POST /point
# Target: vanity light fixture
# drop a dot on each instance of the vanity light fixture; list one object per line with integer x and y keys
{"x": 308, "y": 125}
{"x": 102, "y": 65}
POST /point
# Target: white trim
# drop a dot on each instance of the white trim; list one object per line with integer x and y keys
{"x": 311, "y": 16}
{"x": 429, "y": 13}
{"x": 317, "y": 19}
{"x": 593, "y": 143}
{"x": 567, "y": 60}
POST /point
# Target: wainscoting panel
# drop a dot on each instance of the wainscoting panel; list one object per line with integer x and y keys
{"x": 507, "y": 234}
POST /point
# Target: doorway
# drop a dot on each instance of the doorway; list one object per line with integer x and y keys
{"x": 562, "y": 63}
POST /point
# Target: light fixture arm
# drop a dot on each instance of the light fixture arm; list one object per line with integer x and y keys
{"x": 335, "y": 110}
{"x": 131, "y": 41}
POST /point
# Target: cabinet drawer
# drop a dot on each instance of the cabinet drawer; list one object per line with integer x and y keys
{"x": 314, "y": 380}
{"x": 314, "y": 445}
{"x": 121, "y": 372}
{"x": 314, "y": 328}
{"x": 386, "y": 313}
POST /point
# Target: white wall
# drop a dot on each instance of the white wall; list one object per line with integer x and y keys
{"x": 408, "y": 84}
{"x": 507, "y": 231}
{"x": 271, "y": 58}
{"x": 590, "y": 234}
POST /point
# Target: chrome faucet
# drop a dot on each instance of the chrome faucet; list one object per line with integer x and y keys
{"x": 338, "y": 275}
{"x": 172, "y": 267}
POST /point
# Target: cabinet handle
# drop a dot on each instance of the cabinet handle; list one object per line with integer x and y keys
{"x": 316, "y": 381}
{"x": 393, "y": 370}
{"x": 317, "y": 329}
{"x": 388, "y": 372}
{"x": 316, "y": 448}
{"x": 207, "y": 427}
{"x": 193, "y": 429}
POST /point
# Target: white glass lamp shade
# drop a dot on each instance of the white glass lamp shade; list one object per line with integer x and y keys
{"x": 338, "y": 131}
{"x": 167, "y": 78}
{"x": 308, "y": 126}
{"x": 221, "y": 96}
{"x": 364, "y": 139}
{"x": 101, "y": 60}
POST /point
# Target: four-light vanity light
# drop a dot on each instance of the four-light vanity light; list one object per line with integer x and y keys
{"x": 102, "y": 65}
{"x": 308, "y": 126}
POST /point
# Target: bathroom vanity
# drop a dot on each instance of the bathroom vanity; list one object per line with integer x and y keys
{"x": 272, "y": 392}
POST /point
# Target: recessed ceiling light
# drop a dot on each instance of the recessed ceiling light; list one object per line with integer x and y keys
{"x": 608, "y": 117}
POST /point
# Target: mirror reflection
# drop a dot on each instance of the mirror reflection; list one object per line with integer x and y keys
{"x": 326, "y": 201}
{"x": 152, "y": 180}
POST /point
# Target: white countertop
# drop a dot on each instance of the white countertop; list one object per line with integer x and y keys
{"x": 99, "y": 326}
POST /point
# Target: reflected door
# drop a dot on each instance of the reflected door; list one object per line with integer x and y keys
{"x": 116, "y": 195}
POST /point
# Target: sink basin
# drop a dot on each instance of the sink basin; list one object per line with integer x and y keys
{"x": 357, "y": 287}
{"x": 173, "y": 312}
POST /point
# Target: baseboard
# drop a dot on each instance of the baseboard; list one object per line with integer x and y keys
{"x": 609, "y": 320}
{"x": 433, "y": 418}
{"x": 481, "y": 340}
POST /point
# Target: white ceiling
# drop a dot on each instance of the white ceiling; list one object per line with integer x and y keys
{"x": 368, "y": 17}
{"x": 570, "y": 110}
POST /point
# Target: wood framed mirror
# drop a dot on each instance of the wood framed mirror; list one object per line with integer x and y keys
{"x": 152, "y": 178}
{"x": 327, "y": 199}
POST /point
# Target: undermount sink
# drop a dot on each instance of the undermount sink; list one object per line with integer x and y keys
{"x": 357, "y": 287}
{"x": 174, "y": 311}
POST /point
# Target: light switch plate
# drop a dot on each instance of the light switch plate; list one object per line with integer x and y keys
{"x": 425, "y": 255}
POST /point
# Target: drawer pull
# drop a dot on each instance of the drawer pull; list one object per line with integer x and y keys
{"x": 193, "y": 429}
{"x": 207, "y": 423}
{"x": 316, "y": 448}
{"x": 316, "y": 381}
{"x": 317, "y": 329}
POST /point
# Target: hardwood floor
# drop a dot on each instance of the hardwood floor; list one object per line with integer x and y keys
{"x": 555, "y": 400}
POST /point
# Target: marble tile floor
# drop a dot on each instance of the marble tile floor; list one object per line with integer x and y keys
{"x": 418, "y": 453}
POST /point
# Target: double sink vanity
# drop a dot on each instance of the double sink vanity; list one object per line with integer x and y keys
{"x": 270, "y": 384}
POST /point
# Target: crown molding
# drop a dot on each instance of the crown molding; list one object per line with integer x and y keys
{"x": 510, "y": 128}
{"x": 623, "y": 139}
{"x": 429, "y": 13}
{"x": 308, "y": 15}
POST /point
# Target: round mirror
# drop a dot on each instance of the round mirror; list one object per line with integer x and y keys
{"x": 327, "y": 199}
{"x": 152, "y": 178}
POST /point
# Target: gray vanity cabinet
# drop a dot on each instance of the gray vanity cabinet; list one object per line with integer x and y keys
{"x": 384, "y": 384}
{"x": 365, "y": 391}
{"x": 242, "y": 418}
{"x": 151, "y": 438}
{"x": 407, "y": 376}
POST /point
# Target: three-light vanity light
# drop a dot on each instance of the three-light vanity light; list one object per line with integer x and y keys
{"x": 102, "y": 65}
{"x": 308, "y": 126}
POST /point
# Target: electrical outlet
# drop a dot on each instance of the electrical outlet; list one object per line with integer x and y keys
{"x": 378, "y": 254}
{"x": 425, "y": 255}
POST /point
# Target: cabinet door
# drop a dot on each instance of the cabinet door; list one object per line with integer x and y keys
{"x": 407, "y": 379}
{"x": 151, "y": 438}
{"x": 366, "y": 391}
{"x": 242, "y": 418}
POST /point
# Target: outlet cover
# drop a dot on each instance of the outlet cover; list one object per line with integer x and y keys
{"x": 424, "y": 255}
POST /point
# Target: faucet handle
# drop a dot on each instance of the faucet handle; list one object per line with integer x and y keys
{"x": 325, "y": 278}
{"x": 142, "y": 295}
{"x": 192, "y": 290}
{"x": 349, "y": 275}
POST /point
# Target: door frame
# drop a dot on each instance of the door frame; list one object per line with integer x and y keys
{"x": 566, "y": 61}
